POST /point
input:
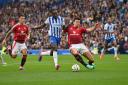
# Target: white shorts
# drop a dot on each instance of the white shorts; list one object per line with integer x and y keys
{"x": 18, "y": 47}
{"x": 81, "y": 48}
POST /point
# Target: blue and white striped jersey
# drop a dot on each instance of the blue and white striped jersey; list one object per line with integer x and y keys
{"x": 55, "y": 26}
{"x": 109, "y": 28}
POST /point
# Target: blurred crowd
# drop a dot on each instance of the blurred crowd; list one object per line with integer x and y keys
{"x": 90, "y": 11}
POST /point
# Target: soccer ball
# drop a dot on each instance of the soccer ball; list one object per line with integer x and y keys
{"x": 75, "y": 68}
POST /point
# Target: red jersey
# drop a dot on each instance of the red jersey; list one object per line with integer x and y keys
{"x": 21, "y": 32}
{"x": 75, "y": 34}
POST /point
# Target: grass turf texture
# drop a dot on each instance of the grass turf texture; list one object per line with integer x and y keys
{"x": 107, "y": 72}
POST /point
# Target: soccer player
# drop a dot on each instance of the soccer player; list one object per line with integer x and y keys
{"x": 21, "y": 34}
{"x": 2, "y": 53}
{"x": 2, "y": 48}
{"x": 55, "y": 23}
{"x": 110, "y": 38}
{"x": 76, "y": 44}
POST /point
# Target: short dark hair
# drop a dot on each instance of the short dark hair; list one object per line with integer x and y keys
{"x": 54, "y": 12}
{"x": 19, "y": 15}
{"x": 76, "y": 18}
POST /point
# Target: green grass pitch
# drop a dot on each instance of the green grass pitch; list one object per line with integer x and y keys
{"x": 107, "y": 72}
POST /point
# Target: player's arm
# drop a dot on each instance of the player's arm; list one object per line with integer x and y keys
{"x": 97, "y": 25}
{"x": 28, "y": 34}
{"x": 7, "y": 35}
{"x": 65, "y": 29}
{"x": 47, "y": 21}
{"x": 40, "y": 26}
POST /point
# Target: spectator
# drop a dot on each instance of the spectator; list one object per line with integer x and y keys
{"x": 89, "y": 10}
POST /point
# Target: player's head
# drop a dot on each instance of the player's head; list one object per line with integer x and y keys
{"x": 54, "y": 12}
{"x": 21, "y": 19}
{"x": 109, "y": 20}
{"x": 76, "y": 22}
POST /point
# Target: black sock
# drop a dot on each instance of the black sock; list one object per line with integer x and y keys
{"x": 51, "y": 53}
{"x": 23, "y": 60}
{"x": 79, "y": 59}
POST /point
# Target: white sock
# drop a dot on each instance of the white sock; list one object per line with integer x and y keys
{"x": 2, "y": 59}
{"x": 55, "y": 57}
{"x": 115, "y": 51}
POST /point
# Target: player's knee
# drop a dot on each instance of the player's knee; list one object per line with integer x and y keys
{"x": 74, "y": 52}
{"x": 24, "y": 51}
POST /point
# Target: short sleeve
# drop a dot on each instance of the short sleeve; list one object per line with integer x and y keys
{"x": 47, "y": 21}
{"x": 83, "y": 30}
{"x": 14, "y": 27}
{"x": 105, "y": 26}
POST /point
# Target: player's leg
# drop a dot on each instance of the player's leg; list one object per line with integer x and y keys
{"x": 24, "y": 55}
{"x": 87, "y": 54}
{"x": 55, "y": 56}
{"x": 77, "y": 56}
{"x": 51, "y": 53}
{"x": 42, "y": 53}
{"x": 3, "y": 50}
{"x": 15, "y": 48}
{"x": 9, "y": 49}
{"x": 115, "y": 50}
{"x": 101, "y": 50}
{"x": 54, "y": 47}
{"x": 104, "y": 48}
{"x": 1, "y": 56}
